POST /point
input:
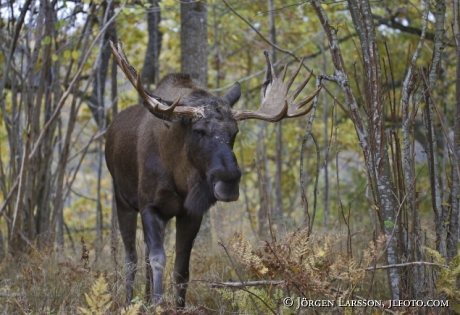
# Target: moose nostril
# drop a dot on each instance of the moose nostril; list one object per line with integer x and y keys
{"x": 229, "y": 177}
{"x": 227, "y": 174}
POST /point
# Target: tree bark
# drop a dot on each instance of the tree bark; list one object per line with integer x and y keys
{"x": 440, "y": 210}
{"x": 194, "y": 40}
{"x": 151, "y": 70}
{"x": 278, "y": 209}
{"x": 453, "y": 234}
{"x": 194, "y": 56}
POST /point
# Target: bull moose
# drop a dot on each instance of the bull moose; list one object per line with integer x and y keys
{"x": 173, "y": 156}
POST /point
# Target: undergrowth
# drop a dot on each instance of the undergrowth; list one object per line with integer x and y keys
{"x": 318, "y": 277}
{"x": 236, "y": 278}
{"x": 99, "y": 301}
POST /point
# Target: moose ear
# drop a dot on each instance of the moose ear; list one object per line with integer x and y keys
{"x": 233, "y": 95}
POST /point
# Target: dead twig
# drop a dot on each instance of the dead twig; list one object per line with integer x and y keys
{"x": 243, "y": 287}
{"x": 245, "y": 284}
{"x": 412, "y": 263}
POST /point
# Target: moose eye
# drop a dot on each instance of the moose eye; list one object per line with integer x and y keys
{"x": 199, "y": 132}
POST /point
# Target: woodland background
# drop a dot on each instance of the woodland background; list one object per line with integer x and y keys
{"x": 357, "y": 200}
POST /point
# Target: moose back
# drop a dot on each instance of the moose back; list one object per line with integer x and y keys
{"x": 172, "y": 156}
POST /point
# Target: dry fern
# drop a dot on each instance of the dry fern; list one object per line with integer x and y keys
{"x": 132, "y": 309}
{"x": 242, "y": 250}
{"x": 99, "y": 301}
{"x": 310, "y": 265}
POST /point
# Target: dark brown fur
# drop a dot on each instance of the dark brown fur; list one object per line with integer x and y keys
{"x": 163, "y": 169}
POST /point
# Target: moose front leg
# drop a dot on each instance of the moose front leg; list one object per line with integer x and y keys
{"x": 127, "y": 221}
{"x": 154, "y": 229}
{"x": 148, "y": 276}
{"x": 187, "y": 228}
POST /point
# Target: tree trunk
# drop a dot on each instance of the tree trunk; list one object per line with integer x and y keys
{"x": 194, "y": 40}
{"x": 454, "y": 215}
{"x": 151, "y": 69}
{"x": 194, "y": 56}
{"x": 326, "y": 190}
{"x": 440, "y": 210}
{"x": 99, "y": 112}
{"x": 416, "y": 276}
{"x": 278, "y": 209}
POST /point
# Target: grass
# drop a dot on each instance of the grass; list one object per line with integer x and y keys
{"x": 62, "y": 280}
{"x": 55, "y": 280}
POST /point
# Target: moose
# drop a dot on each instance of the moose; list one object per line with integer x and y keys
{"x": 172, "y": 156}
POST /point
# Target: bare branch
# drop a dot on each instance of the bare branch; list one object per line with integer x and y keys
{"x": 239, "y": 276}
{"x": 412, "y": 263}
{"x": 444, "y": 129}
{"x": 245, "y": 284}
{"x": 56, "y": 112}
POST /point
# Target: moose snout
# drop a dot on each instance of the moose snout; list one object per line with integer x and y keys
{"x": 225, "y": 182}
{"x": 226, "y": 192}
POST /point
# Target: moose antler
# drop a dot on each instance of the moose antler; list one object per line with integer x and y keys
{"x": 275, "y": 103}
{"x": 155, "y": 104}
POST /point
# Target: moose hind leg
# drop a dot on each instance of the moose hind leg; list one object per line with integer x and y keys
{"x": 127, "y": 221}
{"x": 187, "y": 228}
{"x": 154, "y": 228}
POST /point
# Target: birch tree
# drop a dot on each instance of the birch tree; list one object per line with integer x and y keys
{"x": 392, "y": 179}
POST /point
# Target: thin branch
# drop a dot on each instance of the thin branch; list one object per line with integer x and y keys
{"x": 245, "y": 284}
{"x": 5, "y": 295}
{"x": 275, "y": 64}
{"x": 264, "y": 191}
{"x": 412, "y": 263}
{"x": 61, "y": 103}
{"x": 289, "y": 52}
{"x": 395, "y": 225}
{"x": 241, "y": 279}
{"x": 340, "y": 76}
{"x": 392, "y": 23}
{"x": 304, "y": 142}
{"x": 441, "y": 120}
{"x": 19, "y": 24}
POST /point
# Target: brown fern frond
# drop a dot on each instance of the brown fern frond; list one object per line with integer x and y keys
{"x": 242, "y": 250}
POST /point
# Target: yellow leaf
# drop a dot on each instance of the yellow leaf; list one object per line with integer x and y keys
{"x": 89, "y": 301}
{"x": 324, "y": 6}
{"x": 336, "y": 26}
{"x": 75, "y": 54}
{"x": 321, "y": 253}
{"x": 263, "y": 270}
{"x": 132, "y": 309}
